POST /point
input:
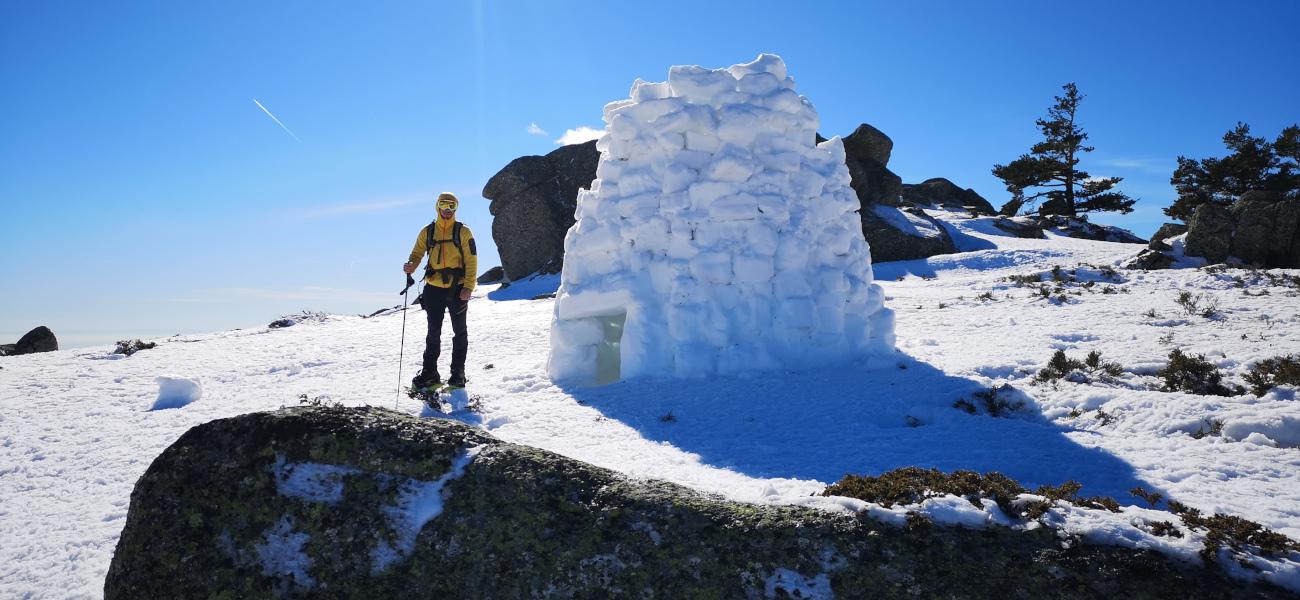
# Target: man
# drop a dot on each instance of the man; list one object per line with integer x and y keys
{"x": 448, "y": 280}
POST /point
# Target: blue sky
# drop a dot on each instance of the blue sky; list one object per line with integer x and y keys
{"x": 144, "y": 193}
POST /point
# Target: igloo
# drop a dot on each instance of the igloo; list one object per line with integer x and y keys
{"x": 718, "y": 237}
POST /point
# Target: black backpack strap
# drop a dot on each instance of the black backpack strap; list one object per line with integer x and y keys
{"x": 455, "y": 239}
{"x": 428, "y": 246}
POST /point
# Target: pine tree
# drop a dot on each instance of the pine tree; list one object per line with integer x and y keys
{"x": 1254, "y": 165}
{"x": 1050, "y": 171}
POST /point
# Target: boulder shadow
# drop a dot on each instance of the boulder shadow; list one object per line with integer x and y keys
{"x": 860, "y": 418}
{"x": 527, "y": 289}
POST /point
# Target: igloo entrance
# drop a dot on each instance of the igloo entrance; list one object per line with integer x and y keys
{"x": 609, "y": 357}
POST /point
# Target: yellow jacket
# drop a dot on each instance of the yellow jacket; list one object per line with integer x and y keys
{"x": 443, "y": 254}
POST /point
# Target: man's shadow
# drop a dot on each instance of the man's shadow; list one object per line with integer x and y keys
{"x": 858, "y": 418}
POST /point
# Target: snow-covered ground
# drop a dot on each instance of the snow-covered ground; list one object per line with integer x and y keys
{"x": 77, "y": 428}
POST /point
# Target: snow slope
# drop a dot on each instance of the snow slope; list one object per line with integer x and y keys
{"x": 77, "y": 429}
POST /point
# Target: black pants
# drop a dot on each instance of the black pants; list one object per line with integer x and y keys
{"x": 435, "y": 301}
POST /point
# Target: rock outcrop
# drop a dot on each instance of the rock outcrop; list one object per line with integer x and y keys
{"x": 940, "y": 192}
{"x": 1262, "y": 228}
{"x": 364, "y": 502}
{"x": 903, "y": 233}
{"x": 1267, "y": 230}
{"x": 1165, "y": 232}
{"x": 40, "y": 339}
{"x": 493, "y": 275}
{"x": 1033, "y": 226}
{"x": 886, "y": 224}
{"x": 867, "y": 152}
{"x": 1021, "y": 227}
{"x": 533, "y": 199}
{"x": 1209, "y": 233}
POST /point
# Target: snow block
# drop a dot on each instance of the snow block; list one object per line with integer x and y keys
{"x": 175, "y": 392}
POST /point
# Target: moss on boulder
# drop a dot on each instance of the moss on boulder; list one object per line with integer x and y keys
{"x": 332, "y": 502}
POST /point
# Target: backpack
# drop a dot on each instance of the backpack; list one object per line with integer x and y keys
{"x": 449, "y": 274}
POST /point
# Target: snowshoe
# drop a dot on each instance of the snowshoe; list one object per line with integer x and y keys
{"x": 456, "y": 382}
{"x": 428, "y": 394}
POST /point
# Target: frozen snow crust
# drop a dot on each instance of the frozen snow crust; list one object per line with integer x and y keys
{"x": 726, "y": 239}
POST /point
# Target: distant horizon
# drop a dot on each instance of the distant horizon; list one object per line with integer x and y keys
{"x": 184, "y": 168}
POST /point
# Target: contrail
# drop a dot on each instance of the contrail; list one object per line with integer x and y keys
{"x": 277, "y": 121}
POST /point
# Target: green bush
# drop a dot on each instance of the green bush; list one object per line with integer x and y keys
{"x": 1270, "y": 373}
{"x": 1194, "y": 375}
{"x": 1241, "y": 535}
{"x": 1060, "y": 366}
{"x": 997, "y": 402}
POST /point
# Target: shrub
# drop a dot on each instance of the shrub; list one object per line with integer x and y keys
{"x": 319, "y": 401}
{"x": 912, "y": 485}
{"x": 1024, "y": 280}
{"x": 1094, "y": 362}
{"x": 986, "y": 296}
{"x": 1069, "y": 492}
{"x": 1194, "y": 375}
{"x": 129, "y": 347}
{"x": 1152, "y": 498}
{"x": 1199, "y": 304}
{"x": 1272, "y": 372}
{"x": 997, "y": 401}
{"x": 1060, "y": 366}
{"x": 1239, "y": 534}
{"x": 1165, "y": 528}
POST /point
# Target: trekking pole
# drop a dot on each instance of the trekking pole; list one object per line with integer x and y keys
{"x": 400, "y": 353}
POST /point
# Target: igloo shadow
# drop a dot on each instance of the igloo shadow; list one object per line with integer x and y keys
{"x": 864, "y": 417}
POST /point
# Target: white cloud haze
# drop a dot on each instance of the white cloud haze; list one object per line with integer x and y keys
{"x": 579, "y": 135}
{"x": 533, "y": 129}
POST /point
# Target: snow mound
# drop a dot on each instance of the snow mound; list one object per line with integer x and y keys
{"x": 175, "y": 392}
{"x": 716, "y": 238}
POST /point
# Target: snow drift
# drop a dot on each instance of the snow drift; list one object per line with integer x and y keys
{"x": 716, "y": 238}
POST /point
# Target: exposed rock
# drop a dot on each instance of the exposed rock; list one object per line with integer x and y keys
{"x": 869, "y": 144}
{"x": 1267, "y": 231}
{"x": 129, "y": 347}
{"x": 1150, "y": 260}
{"x": 1165, "y": 232}
{"x": 1022, "y": 227}
{"x": 533, "y": 200}
{"x": 40, "y": 339}
{"x": 364, "y": 502}
{"x": 7, "y": 349}
{"x": 1079, "y": 227}
{"x": 867, "y": 152}
{"x": 493, "y": 275}
{"x": 1209, "y": 233}
{"x": 945, "y": 194}
{"x": 905, "y": 233}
